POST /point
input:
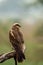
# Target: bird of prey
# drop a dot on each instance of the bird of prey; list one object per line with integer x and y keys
{"x": 17, "y": 41}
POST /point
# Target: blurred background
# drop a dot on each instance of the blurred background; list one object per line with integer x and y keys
{"x": 28, "y": 13}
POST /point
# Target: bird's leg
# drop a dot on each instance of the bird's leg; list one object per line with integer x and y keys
{"x": 15, "y": 58}
{"x": 15, "y": 61}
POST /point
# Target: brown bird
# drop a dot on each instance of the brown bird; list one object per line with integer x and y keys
{"x": 17, "y": 41}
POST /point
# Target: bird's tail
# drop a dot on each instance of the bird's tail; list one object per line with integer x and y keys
{"x": 19, "y": 56}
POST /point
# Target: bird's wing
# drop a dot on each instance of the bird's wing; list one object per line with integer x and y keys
{"x": 15, "y": 35}
{"x": 11, "y": 36}
{"x": 18, "y": 36}
{"x": 21, "y": 36}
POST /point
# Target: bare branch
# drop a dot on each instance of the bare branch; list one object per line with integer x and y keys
{"x": 6, "y": 56}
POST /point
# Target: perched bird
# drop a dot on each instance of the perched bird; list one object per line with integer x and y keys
{"x": 17, "y": 41}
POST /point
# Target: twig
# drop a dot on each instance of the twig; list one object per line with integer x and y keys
{"x": 6, "y": 56}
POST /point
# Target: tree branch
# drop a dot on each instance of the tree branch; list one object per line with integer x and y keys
{"x": 6, "y": 56}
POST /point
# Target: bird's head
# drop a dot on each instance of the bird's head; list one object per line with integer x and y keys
{"x": 16, "y": 26}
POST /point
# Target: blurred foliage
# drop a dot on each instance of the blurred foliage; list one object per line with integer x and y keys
{"x": 41, "y": 1}
{"x": 39, "y": 31}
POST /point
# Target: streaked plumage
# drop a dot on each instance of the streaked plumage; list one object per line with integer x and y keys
{"x": 17, "y": 41}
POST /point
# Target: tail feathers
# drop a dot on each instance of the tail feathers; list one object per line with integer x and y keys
{"x": 21, "y": 57}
